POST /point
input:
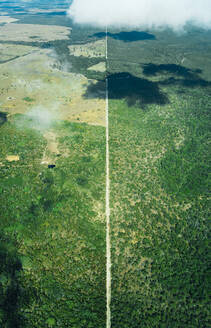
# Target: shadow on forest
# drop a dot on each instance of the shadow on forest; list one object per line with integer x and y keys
{"x": 140, "y": 91}
{"x": 11, "y": 293}
{"x": 3, "y": 118}
{"x": 135, "y": 90}
{"x": 127, "y": 36}
{"x": 186, "y": 77}
{"x": 152, "y": 70}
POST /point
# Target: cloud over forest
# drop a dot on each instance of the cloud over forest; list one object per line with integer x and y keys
{"x": 142, "y": 13}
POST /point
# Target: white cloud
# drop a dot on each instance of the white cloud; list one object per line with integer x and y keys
{"x": 143, "y": 13}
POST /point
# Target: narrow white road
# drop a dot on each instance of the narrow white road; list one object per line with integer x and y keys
{"x": 108, "y": 242}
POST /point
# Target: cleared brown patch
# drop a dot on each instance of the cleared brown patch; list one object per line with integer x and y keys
{"x": 52, "y": 149}
{"x": 12, "y": 158}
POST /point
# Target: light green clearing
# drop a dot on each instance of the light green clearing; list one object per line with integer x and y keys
{"x": 100, "y": 67}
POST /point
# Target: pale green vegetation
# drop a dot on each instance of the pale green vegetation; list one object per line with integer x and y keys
{"x": 30, "y": 32}
{"x": 7, "y": 51}
{"x": 25, "y": 83}
{"x": 90, "y": 49}
{"x": 100, "y": 67}
{"x": 7, "y": 19}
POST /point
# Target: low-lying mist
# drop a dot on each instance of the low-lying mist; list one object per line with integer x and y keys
{"x": 39, "y": 118}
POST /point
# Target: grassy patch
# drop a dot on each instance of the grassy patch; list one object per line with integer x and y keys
{"x": 28, "y": 99}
